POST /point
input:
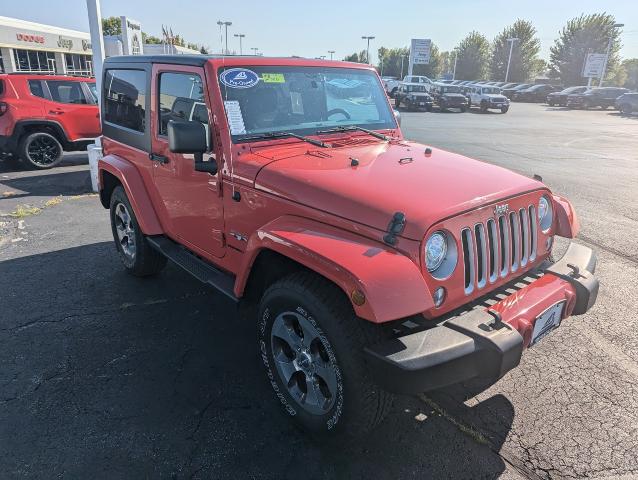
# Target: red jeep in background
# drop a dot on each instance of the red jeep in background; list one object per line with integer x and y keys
{"x": 378, "y": 265}
{"x": 41, "y": 116}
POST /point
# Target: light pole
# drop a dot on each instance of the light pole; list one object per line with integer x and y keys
{"x": 456, "y": 56}
{"x": 254, "y": 49}
{"x": 403, "y": 57}
{"x": 368, "y": 49}
{"x": 226, "y": 25}
{"x": 611, "y": 37}
{"x": 507, "y": 72}
{"x": 331, "y": 52}
{"x": 240, "y": 36}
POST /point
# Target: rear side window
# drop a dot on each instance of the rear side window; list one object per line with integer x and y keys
{"x": 64, "y": 91}
{"x": 125, "y": 98}
{"x": 35, "y": 86}
{"x": 181, "y": 97}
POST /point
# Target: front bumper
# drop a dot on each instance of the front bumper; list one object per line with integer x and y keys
{"x": 484, "y": 343}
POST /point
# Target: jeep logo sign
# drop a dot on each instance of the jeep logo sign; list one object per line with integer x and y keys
{"x": 501, "y": 209}
{"x": 239, "y": 78}
{"x": 65, "y": 43}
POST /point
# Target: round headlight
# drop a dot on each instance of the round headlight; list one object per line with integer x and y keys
{"x": 545, "y": 213}
{"x": 435, "y": 250}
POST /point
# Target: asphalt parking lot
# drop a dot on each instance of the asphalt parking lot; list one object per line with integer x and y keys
{"x": 107, "y": 376}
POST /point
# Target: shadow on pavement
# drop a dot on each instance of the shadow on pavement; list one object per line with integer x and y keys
{"x": 633, "y": 115}
{"x": 48, "y": 184}
{"x": 109, "y": 376}
{"x": 70, "y": 159}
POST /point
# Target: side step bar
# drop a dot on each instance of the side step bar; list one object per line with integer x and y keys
{"x": 198, "y": 268}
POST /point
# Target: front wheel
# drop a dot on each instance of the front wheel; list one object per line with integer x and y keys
{"x": 504, "y": 109}
{"x": 483, "y": 108}
{"x": 311, "y": 344}
{"x": 397, "y": 103}
{"x": 138, "y": 257}
{"x": 462, "y": 109}
{"x": 626, "y": 108}
{"x": 40, "y": 150}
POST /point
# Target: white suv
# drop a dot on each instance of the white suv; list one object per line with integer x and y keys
{"x": 422, "y": 79}
{"x": 487, "y": 97}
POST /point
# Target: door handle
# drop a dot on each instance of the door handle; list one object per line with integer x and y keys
{"x": 56, "y": 112}
{"x": 158, "y": 158}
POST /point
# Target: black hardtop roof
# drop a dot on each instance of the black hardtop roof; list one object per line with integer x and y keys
{"x": 191, "y": 60}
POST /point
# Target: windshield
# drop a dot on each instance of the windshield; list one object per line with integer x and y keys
{"x": 266, "y": 99}
{"x": 415, "y": 88}
{"x": 450, "y": 89}
{"x": 491, "y": 90}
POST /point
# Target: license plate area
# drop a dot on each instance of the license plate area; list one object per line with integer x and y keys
{"x": 547, "y": 321}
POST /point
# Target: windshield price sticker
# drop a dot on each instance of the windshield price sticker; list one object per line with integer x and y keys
{"x": 273, "y": 78}
{"x": 235, "y": 117}
{"x": 239, "y": 78}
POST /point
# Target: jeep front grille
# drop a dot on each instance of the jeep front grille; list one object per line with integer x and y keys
{"x": 499, "y": 247}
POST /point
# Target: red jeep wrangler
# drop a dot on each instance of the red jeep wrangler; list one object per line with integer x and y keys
{"x": 41, "y": 116}
{"x": 379, "y": 265}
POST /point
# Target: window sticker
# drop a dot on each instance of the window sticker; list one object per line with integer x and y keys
{"x": 297, "y": 103}
{"x": 273, "y": 78}
{"x": 235, "y": 117}
{"x": 239, "y": 78}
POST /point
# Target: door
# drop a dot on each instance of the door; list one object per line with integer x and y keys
{"x": 69, "y": 105}
{"x": 191, "y": 201}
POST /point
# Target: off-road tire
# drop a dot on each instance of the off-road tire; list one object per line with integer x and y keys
{"x": 504, "y": 109}
{"x": 462, "y": 109}
{"x": 626, "y": 108}
{"x": 25, "y": 154}
{"x": 397, "y": 103}
{"x": 359, "y": 404}
{"x": 483, "y": 108}
{"x": 146, "y": 261}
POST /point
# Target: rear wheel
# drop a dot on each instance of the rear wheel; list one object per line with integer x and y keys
{"x": 40, "y": 150}
{"x": 626, "y": 108}
{"x": 138, "y": 257}
{"x": 311, "y": 344}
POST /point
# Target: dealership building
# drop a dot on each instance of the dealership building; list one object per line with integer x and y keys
{"x": 29, "y": 47}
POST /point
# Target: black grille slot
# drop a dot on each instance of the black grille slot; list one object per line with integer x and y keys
{"x": 492, "y": 248}
{"x": 515, "y": 240}
{"x": 481, "y": 255}
{"x": 502, "y": 224}
{"x": 468, "y": 259}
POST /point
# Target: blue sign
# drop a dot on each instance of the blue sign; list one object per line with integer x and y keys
{"x": 239, "y": 78}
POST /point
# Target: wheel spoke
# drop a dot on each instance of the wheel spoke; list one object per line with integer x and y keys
{"x": 286, "y": 332}
{"x": 286, "y": 367}
{"x": 314, "y": 396}
{"x": 327, "y": 373}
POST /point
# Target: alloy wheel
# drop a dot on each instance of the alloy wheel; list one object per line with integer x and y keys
{"x": 125, "y": 230}
{"x": 43, "y": 151}
{"x": 303, "y": 363}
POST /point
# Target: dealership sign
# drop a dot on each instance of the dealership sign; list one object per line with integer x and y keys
{"x": 131, "y": 37}
{"x": 419, "y": 52}
{"x": 19, "y": 37}
{"x": 594, "y": 64}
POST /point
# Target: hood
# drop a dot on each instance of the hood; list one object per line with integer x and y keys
{"x": 454, "y": 95}
{"x": 495, "y": 96}
{"x": 390, "y": 177}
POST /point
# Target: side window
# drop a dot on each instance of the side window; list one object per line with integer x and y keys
{"x": 181, "y": 97}
{"x": 64, "y": 91}
{"x": 35, "y": 86}
{"x": 125, "y": 98}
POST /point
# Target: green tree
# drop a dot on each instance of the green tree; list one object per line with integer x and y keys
{"x": 203, "y": 50}
{"x": 583, "y": 35}
{"x": 356, "y": 57}
{"x": 112, "y": 26}
{"x": 524, "y": 65}
{"x": 630, "y": 67}
{"x": 391, "y": 58}
{"x": 150, "y": 39}
{"x": 473, "y": 57}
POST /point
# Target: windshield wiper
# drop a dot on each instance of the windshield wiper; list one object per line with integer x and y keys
{"x": 351, "y": 128}
{"x": 259, "y": 136}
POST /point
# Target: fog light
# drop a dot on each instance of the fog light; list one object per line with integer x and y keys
{"x": 439, "y": 296}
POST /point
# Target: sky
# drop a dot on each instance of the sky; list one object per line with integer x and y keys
{"x": 311, "y": 29}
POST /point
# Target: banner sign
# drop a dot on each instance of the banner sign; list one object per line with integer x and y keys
{"x": 419, "y": 52}
{"x": 594, "y": 63}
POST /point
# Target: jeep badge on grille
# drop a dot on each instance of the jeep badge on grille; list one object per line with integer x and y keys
{"x": 501, "y": 209}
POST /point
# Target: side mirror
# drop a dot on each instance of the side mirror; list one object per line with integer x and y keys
{"x": 397, "y": 115}
{"x": 190, "y": 137}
